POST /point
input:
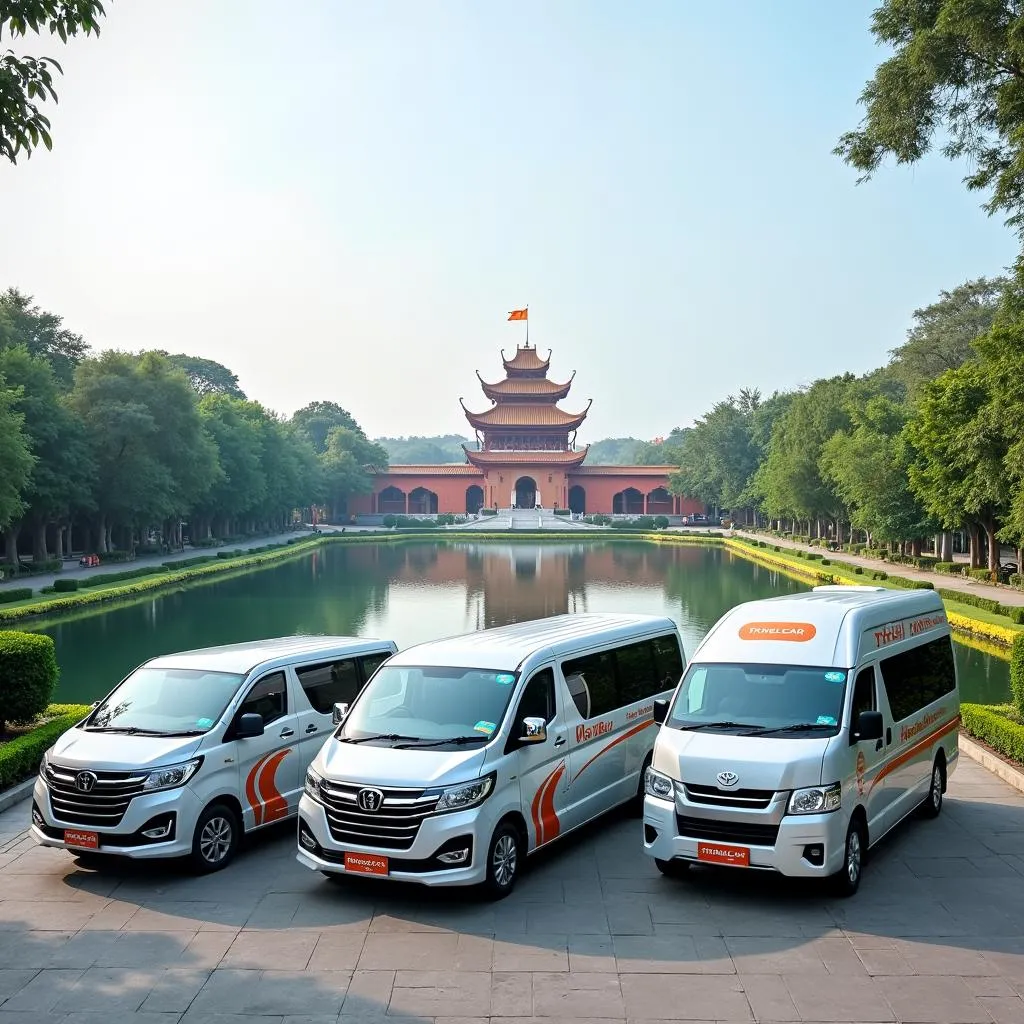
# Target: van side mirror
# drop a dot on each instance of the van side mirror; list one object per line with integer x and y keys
{"x": 534, "y": 730}
{"x": 660, "y": 710}
{"x": 339, "y": 713}
{"x": 249, "y": 726}
{"x": 869, "y": 726}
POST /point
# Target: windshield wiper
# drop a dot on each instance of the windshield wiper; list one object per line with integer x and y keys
{"x": 455, "y": 740}
{"x": 802, "y": 727}
{"x": 127, "y": 730}
{"x": 754, "y": 729}
{"x": 393, "y": 737}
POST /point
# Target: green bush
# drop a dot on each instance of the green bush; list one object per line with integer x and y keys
{"x": 102, "y": 578}
{"x": 950, "y": 568}
{"x": 988, "y": 604}
{"x": 15, "y": 594}
{"x": 28, "y": 669}
{"x": 488, "y": 511}
{"x": 20, "y": 758}
{"x": 1017, "y": 673}
{"x": 65, "y": 586}
{"x": 859, "y": 570}
{"x": 116, "y": 556}
{"x": 1017, "y": 580}
{"x": 661, "y": 522}
{"x": 985, "y": 575}
{"x": 1016, "y": 615}
{"x": 826, "y": 561}
{"x": 998, "y": 726}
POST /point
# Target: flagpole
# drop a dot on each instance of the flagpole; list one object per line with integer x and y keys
{"x": 527, "y": 325}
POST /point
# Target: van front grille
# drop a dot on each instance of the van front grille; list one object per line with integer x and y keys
{"x": 94, "y": 799}
{"x": 727, "y": 831}
{"x": 392, "y": 826}
{"x": 747, "y": 799}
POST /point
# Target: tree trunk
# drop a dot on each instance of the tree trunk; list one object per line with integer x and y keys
{"x": 974, "y": 545}
{"x": 58, "y": 540}
{"x": 11, "y": 535}
{"x": 994, "y": 546}
{"x": 101, "y": 534}
{"x": 39, "y": 552}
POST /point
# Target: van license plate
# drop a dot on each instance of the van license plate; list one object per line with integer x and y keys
{"x": 366, "y": 864}
{"x": 718, "y": 853}
{"x": 81, "y": 840}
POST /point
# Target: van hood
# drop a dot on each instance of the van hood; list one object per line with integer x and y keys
{"x": 758, "y": 762}
{"x": 112, "y": 751}
{"x": 402, "y": 769}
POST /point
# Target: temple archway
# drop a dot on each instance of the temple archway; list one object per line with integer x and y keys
{"x": 391, "y": 501}
{"x": 577, "y": 500}
{"x": 474, "y": 499}
{"x": 629, "y": 502}
{"x": 422, "y": 502}
{"x": 526, "y": 492}
{"x": 659, "y": 502}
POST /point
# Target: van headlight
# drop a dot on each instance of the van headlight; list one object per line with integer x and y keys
{"x": 658, "y": 785}
{"x": 312, "y": 785}
{"x": 816, "y": 799}
{"x": 172, "y": 776}
{"x": 469, "y": 794}
{"x": 45, "y": 762}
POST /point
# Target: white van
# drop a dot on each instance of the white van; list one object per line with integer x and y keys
{"x": 463, "y": 755}
{"x": 804, "y": 729}
{"x": 191, "y": 750}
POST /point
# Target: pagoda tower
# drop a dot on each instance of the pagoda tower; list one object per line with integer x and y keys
{"x": 525, "y": 442}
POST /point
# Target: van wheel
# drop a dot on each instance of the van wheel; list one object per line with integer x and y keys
{"x": 672, "y": 868}
{"x": 504, "y": 859}
{"x": 846, "y": 880}
{"x": 215, "y": 839}
{"x": 932, "y": 806}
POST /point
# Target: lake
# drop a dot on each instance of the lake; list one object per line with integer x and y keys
{"x": 411, "y": 592}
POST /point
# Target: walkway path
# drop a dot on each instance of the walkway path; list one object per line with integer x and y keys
{"x": 593, "y": 932}
{"x": 1002, "y": 594}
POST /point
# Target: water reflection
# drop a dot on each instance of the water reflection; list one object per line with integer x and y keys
{"x": 420, "y": 591}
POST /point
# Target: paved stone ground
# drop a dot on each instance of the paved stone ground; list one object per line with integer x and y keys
{"x": 934, "y": 935}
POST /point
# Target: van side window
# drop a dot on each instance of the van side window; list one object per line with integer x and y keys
{"x": 335, "y": 682}
{"x": 598, "y": 672}
{"x": 268, "y": 699}
{"x": 669, "y": 661}
{"x": 916, "y": 678}
{"x": 371, "y": 662}
{"x": 538, "y": 699}
{"x": 638, "y": 677}
{"x": 863, "y": 694}
{"x": 580, "y": 693}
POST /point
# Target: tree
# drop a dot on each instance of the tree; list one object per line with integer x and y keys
{"x": 26, "y": 80}
{"x": 15, "y": 456}
{"x": 42, "y": 333}
{"x": 347, "y": 462}
{"x": 959, "y": 472}
{"x": 206, "y": 376}
{"x": 944, "y": 332}
{"x": 957, "y": 74}
{"x": 318, "y": 419}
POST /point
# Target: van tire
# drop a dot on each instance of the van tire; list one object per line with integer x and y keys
{"x": 504, "y": 860}
{"x": 215, "y": 840}
{"x": 673, "y": 868}
{"x": 932, "y": 804}
{"x": 846, "y": 881}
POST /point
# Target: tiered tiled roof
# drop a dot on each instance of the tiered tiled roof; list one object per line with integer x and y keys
{"x": 526, "y": 363}
{"x": 526, "y": 389}
{"x": 486, "y": 459}
{"x": 521, "y": 414}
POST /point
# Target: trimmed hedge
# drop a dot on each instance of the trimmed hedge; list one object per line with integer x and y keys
{"x": 29, "y": 672}
{"x": 1017, "y": 673}
{"x": 15, "y": 594}
{"x": 998, "y": 726}
{"x": 65, "y": 586}
{"x": 20, "y": 758}
{"x": 102, "y": 578}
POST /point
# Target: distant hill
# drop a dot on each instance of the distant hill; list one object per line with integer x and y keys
{"x": 424, "y": 451}
{"x": 614, "y": 451}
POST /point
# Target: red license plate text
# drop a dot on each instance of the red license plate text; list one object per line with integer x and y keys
{"x": 81, "y": 840}
{"x": 717, "y": 853}
{"x": 366, "y": 864}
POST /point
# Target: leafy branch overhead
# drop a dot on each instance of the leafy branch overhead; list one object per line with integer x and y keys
{"x": 26, "y": 82}
{"x": 956, "y": 78}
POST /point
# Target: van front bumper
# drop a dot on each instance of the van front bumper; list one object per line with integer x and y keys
{"x": 173, "y": 810}
{"x": 807, "y": 845}
{"x": 439, "y": 836}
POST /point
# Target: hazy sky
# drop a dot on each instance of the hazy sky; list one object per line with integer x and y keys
{"x": 342, "y": 200}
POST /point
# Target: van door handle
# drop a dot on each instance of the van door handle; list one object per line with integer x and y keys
{"x": 888, "y": 736}
{"x": 287, "y": 732}
{"x": 312, "y": 727}
{"x": 878, "y": 745}
{"x": 560, "y": 742}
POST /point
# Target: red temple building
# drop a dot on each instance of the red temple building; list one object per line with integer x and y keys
{"x": 525, "y": 455}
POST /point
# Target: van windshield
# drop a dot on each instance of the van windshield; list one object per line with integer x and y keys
{"x": 769, "y": 700}
{"x": 166, "y": 702}
{"x": 415, "y": 706}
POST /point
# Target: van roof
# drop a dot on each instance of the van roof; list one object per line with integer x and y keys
{"x": 507, "y": 647}
{"x": 243, "y": 658}
{"x": 838, "y": 615}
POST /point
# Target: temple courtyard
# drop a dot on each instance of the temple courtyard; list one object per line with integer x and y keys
{"x": 594, "y": 932}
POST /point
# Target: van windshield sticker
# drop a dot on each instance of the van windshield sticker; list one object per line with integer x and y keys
{"x": 204, "y": 723}
{"x": 485, "y": 727}
{"x": 504, "y": 678}
{"x": 835, "y": 677}
{"x": 826, "y": 720}
{"x": 795, "y": 632}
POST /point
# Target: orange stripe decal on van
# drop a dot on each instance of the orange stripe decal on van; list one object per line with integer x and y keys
{"x": 628, "y": 734}
{"x": 250, "y": 790}
{"x": 275, "y": 806}
{"x": 910, "y": 753}
{"x": 546, "y": 825}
